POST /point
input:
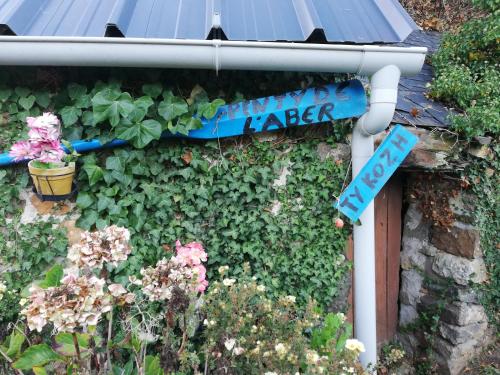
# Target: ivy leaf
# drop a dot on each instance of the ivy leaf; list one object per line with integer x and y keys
{"x": 83, "y": 101}
{"x": 114, "y": 163}
{"x": 208, "y": 110}
{"x": 185, "y": 124}
{"x": 22, "y": 92}
{"x": 140, "y": 134}
{"x": 5, "y": 94}
{"x": 12, "y": 108}
{"x": 84, "y": 200}
{"x": 42, "y": 98}
{"x": 109, "y": 104}
{"x": 88, "y": 118}
{"x": 141, "y": 108}
{"x": 88, "y": 219}
{"x": 27, "y": 102}
{"x": 172, "y": 107}
{"x": 75, "y": 90}
{"x": 70, "y": 115}
{"x": 94, "y": 173}
{"x": 198, "y": 95}
{"x": 36, "y": 356}
{"x": 152, "y": 89}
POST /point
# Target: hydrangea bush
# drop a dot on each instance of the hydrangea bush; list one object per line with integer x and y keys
{"x": 81, "y": 322}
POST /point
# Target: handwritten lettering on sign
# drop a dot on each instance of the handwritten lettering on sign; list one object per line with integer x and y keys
{"x": 295, "y": 108}
{"x": 376, "y": 172}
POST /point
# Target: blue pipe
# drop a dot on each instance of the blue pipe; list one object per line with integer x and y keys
{"x": 296, "y": 108}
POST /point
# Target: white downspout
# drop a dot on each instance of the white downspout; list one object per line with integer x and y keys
{"x": 383, "y": 98}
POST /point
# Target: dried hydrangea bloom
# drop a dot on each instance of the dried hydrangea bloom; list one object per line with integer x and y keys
{"x": 159, "y": 282}
{"x": 110, "y": 245}
{"x": 120, "y": 294}
{"x": 183, "y": 271}
{"x": 77, "y": 302}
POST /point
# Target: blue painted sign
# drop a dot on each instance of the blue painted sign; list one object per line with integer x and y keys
{"x": 376, "y": 172}
{"x": 295, "y": 108}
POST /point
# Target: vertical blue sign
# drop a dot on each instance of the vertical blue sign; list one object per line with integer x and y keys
{"x": 376, "y": 172}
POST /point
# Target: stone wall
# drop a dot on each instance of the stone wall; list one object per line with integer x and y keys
{"x": 439, "y": 307}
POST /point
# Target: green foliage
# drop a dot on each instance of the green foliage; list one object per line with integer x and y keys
{"x": 485, "y": 184}
{"x": 36, "y": 356}
{"x": 334, "y": 332}
{"x": 247, "y": 333}
{"x": 467, "y": 73}
{"x": 107, "y": 112}
{"x": 26, "y": 250}
{"x": 118, "y": 102}
{"x": 224, "y": 198}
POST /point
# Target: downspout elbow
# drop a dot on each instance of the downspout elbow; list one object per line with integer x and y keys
{"x": 383, "y": 99}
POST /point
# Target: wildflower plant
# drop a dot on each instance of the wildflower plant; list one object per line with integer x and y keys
{"x": 248, "y": 333}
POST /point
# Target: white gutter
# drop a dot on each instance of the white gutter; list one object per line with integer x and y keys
{"x": 207, "y": 54}
{"x": 384, "y": 65}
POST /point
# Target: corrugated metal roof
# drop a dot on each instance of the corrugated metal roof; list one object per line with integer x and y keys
{"x": 350, "y": 21}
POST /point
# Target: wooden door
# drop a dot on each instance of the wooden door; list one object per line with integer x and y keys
{"x": 388, "y": 232}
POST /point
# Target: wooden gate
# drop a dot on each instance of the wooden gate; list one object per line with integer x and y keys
{"x": 388, "y": 231}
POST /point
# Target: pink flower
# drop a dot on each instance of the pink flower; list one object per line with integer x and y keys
{"x": 49, "y": 133}
{"x": 50, "y": 152}
{"x": 191, "y": 254}
{"x": 21, "y": 150}
{"x": 30, "y": 121}
{"x": 46, "y": 120}
{"x": 201, "y": 272}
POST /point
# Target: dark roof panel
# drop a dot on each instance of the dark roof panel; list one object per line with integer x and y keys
{"x": 349, "y": 21}
{"x": 414, "y": 106}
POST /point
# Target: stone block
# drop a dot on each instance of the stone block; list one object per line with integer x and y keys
{"x": 461, "y": 240}
{"x": 461, "y": 270}
{"x": 463, "y": 314}
{"x": 429, "y": 250}
{"x": 453, "y": 358}
{"x": 411, "y": 284}
{"x": 460, "y": 334}
{"x": 409, "y": 342}
{"x": 468, "y": 295}
{"x": 341, "y": 152}
{"x": 407, "y": 314}
{"x": 36, "y": 210}
{"x": 411, "y": 256}
{"x": 415, "y": 225}
{"x": 463, "y": 206}
{"x": 74, "y": 234}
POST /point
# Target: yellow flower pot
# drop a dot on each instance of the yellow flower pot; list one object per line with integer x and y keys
{"x": 53, "y": 181}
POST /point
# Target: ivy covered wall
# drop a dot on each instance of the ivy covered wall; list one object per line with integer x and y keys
{"x": 263, "y": 201}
